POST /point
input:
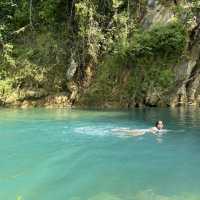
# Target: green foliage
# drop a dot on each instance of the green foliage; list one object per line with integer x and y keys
{"x": 42, "y": 65}
{"x": 129, "y": 61}
{"x": 7, "y": 62}
{"x": 188, "y": 13}
{"x": 6, "y": 87}
{"x": 90, "y": 32}
{"x": 165, "y": 42}
{"x": 146, "y": 64}
{"x": 102, "y": 24}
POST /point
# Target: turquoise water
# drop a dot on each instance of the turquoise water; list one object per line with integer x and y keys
{"x": 58, "y": 154}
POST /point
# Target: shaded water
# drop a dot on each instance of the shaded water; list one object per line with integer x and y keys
{"x": 60, "y": 154}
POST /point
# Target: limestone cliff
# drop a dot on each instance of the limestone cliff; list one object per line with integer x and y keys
{"x": 186, "y": 89}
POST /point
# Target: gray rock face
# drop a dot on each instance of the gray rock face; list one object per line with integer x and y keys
{"x": 73, "y": 88}
{"x": 152, "y": 98}
{"x": 151, "y": 3}
{"x": 193, "y": 93}
{"x": 186, "y": 89}
{"x": 185, "y": 68}
{"x": 72, "y": 69}
{"x": 188, "y": 80}
{"x": 32, "y": 94}
{"x": 157, "y": 14}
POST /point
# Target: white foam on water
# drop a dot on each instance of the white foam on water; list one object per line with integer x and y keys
{"x": 92, "y": 130}
{"x": 114, "y": 131}
{"x": 101, "y": 131}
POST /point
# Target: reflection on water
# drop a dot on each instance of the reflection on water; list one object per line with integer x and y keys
{"x": 49, "y": 154}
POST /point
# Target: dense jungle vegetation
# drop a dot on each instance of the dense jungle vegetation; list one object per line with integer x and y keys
{"x": 47, "y": 44}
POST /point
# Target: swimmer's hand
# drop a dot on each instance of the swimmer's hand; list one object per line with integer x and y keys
{"x": 155, "y": 131}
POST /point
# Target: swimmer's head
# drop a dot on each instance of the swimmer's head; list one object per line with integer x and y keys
{"x": 159, "y": 125}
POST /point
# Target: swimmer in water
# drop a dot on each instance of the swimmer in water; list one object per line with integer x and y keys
{"x": 158, "y": 127}
{"x": 154, "y": 130}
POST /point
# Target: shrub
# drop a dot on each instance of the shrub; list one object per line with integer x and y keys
{"x": 164, "y": 42}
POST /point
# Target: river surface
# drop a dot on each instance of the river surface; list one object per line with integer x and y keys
{"x": 60, "y": 154}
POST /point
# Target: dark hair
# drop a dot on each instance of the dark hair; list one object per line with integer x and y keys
{"x": 156, "y": 124}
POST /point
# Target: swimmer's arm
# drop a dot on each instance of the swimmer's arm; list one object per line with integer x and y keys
{"x": 131, "y": 132}
{"x": 154, "y": 131}
{"x": 120, "y": 129}
{"x": 136, "y": 133}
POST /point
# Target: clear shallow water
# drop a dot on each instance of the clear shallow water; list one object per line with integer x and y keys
{"x": 74, "y": 155}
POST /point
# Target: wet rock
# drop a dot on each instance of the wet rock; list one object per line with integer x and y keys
{"x": 73, "y": 88}
{"x": 58, "y": 100}
{"x": 152, "y": 98}
{"x": 32, "y": 94}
